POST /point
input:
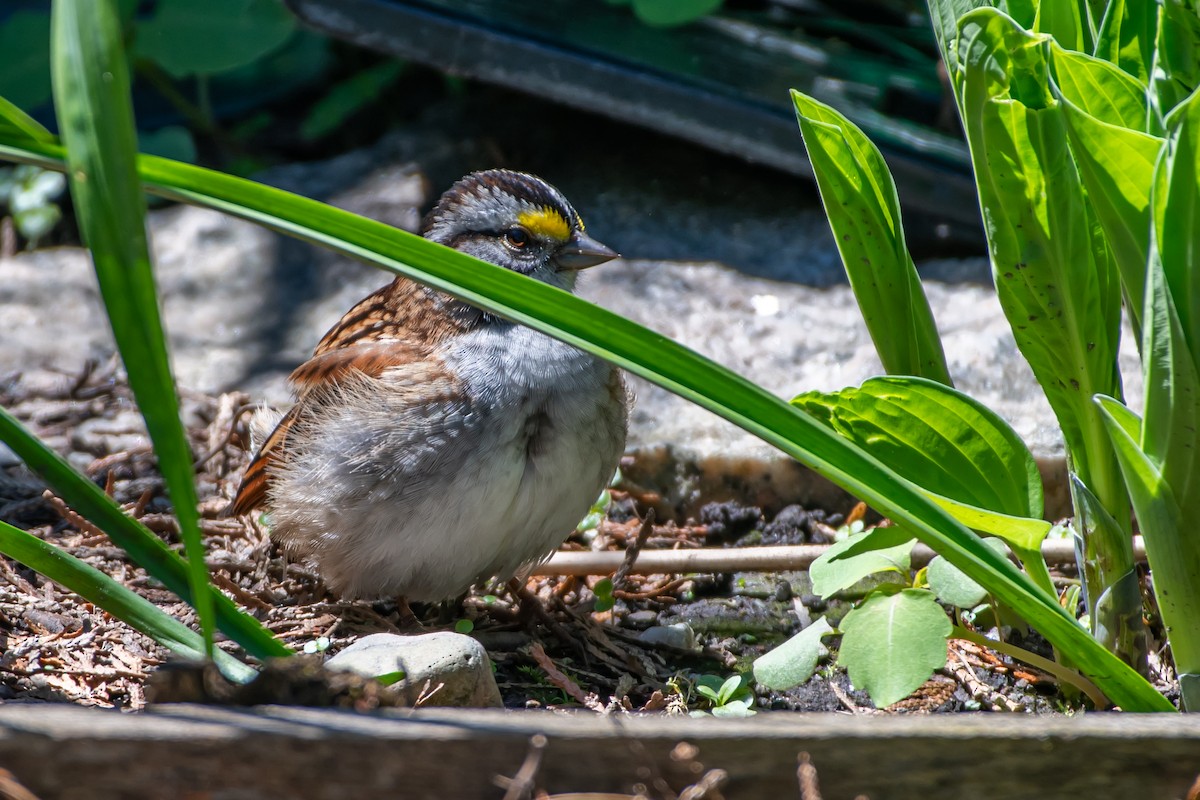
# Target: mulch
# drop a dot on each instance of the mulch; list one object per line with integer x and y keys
{"x": 57, "y": 647}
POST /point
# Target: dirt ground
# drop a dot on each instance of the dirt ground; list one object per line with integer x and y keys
{"x": 56, "y": 647}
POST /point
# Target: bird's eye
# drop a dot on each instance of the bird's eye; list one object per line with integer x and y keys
{"x": 516, "y": 237}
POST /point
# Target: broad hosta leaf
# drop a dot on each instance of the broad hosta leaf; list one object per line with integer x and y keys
{"x": 94, "y": 586}
{"x": 793, "y": 662}
{"x": 1066, "y": 21}
{"x": 1177, "y": 65}
{"x": 969, "y": 460}
{"x": 95, "y": 115}
{"x": 1161, "y": 462}
{"x": 891, "y": 644}
{"x": 864, "y": 212}
{"x": 1103, "y": 91}
{"x": 1176, "y": 210}
{"x": 1126, "y": 36}
{"x": 189, "y": 38}
{"x": 648, "y": 355}
{"x": 1163, "y": 521}
{"x": 945, "y": 441}
{"x": 847, "y": 562}
{"x": 952, "y": 586}
{"x": 1053, "y": 275}
{"x": 1117, "y": 167}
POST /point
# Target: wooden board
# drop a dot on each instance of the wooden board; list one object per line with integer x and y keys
{"x": 62, "y": 751}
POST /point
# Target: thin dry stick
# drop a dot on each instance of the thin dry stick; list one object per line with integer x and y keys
{"x": 631, "y": 551}
{"x": 756, "y": 559}
{"x": 11, "y": 788}
{"x": 521, "y": 785}
{"x": 806, "y": 776}
{"x": 562, "y": 681}
{"x": 1059, "y": 672}
{"x": 70, "y": 516}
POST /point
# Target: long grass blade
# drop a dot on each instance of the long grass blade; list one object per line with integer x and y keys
{"x": 143, "y": 547}
{"x": 131, "y": 608}
{"x": 95, "y": 114}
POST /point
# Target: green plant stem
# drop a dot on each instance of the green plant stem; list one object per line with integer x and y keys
{"x": 1060, "y": 673}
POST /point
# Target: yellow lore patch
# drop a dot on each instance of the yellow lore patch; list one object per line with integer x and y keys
{"x": 545, "y": 222}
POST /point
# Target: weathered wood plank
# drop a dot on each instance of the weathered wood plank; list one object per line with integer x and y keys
{"x": 193, "y": 751}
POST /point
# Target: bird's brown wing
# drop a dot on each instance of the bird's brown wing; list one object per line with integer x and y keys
{"x": 253, "y": 489}
{"x": 321, "y": 372}
{"x": 397, "y": 325}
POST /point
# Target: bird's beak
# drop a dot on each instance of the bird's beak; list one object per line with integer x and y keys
{"x": 582, "y": 251}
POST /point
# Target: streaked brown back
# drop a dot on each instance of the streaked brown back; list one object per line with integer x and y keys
{"x": 398, "y": 324}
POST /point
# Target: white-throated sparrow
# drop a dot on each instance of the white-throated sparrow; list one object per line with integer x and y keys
{"x": 432, "y": 444}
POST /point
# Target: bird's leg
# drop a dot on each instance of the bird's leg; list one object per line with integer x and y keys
{"x": 406, "y": 618}
{"x": 530, "y": 606}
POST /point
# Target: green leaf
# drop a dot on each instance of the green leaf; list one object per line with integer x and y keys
{"x": 94, "y": 586}
{"x": 952, "y": 444}
{"x": 1177, "y": 59}
{"x": 1161, "y": 462}
{"x": 95, "y": 115}
{"x": 671, "y": 13}
{"x": 172, "y": 141}
{"x": 969, "y": 460}
{"x": 1054, "y": 272}
{"x": 864, "y": 213}
{"x": 1126, "y": 36}
{"x": 1055, "y": 281}
{"x": 892, "y": 644}
{"x": 389, "y": 678}
{"x": 24, "y": 41}
{"x": 648, "y": 355}
{"x": 15, "y": 125}
{"x": 1103, "y": 91}
{"x": 1117, "y": 168}
{"x": 793, "y": 662}
{"x": 188, "y": 38}
{"x": 1176, "y": 212}
{"x": 709, "y": 687}
{"x": 347, "y": 98}
{"x": 1066, "y": 21}
{"x": 1023, "y": 534}
{"x": 952, "y": 586}
{"x": 847, "y": 562}
{"x": 143, "y": 547}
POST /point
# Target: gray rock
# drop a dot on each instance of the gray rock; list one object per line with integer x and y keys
{"x": 680, "y": 636}
{"x": 446, "y": 668}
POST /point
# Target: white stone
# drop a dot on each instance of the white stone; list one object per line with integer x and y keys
{"x": 444, "y": 668}
{"x": 680, "y": 636}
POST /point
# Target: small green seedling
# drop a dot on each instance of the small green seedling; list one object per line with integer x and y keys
{"x": 318, "y": 645}
{"x": 730, "y": 697}
{"x": 604, "y": 594}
